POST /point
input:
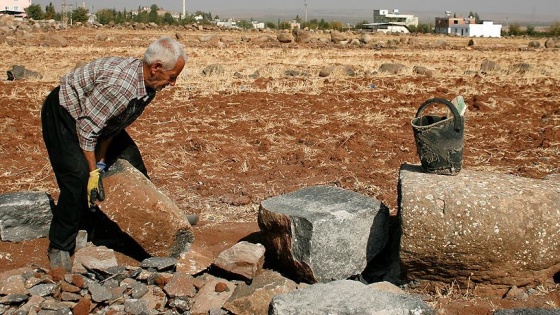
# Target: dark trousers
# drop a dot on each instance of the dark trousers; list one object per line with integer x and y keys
{"x": 71, "y": 170}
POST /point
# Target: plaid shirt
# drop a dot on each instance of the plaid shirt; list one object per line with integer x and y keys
{"x": 104, "y": 97}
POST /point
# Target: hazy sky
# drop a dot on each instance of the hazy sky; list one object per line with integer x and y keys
{"x": 532, "y": 7}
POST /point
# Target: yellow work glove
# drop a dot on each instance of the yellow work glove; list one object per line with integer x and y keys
{"x": 95, "y": 188}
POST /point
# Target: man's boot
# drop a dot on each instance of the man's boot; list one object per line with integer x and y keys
{"x": 60, "y": 259}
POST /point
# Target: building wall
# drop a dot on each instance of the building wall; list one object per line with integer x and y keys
{"x": 444, "y": 24}
{"x": 14, "y": 5}
{"x": 486, "y": 29}
{"x": 383, "y": 16}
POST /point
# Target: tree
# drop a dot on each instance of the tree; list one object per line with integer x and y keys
{"x": 475, "y": 16}
{"x": 323, "y": 25}
{"x": 285, "y": 25}
{"x": 80, "y": 15}
{"x": 311, "y": 24}
{"x": 35, "y": 12}
{"x": 168, "y": 19}
{"x": 514, "y": 29}
{"x": 554, "y": 29}
{"x": 336, "y": 25}
{"x": 50, "y": 12}
{"x": 361, "y": 24}
{"x": 244, "y": 24}
{"x": 153, "y": 15}
{"x": 531, "y": 30}
{"x": 270, "y": 25}
{"x": 105, "y": 16}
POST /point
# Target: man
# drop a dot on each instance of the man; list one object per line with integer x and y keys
{"x": 84, "y": 121}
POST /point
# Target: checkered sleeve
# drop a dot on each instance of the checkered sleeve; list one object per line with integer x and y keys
{"x": 105, "y": 102}
{"x": 97, "y": 92}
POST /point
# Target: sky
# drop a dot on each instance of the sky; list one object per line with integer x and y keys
{"x": 219, "y": 7}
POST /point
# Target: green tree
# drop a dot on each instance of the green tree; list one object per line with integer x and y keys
{"x": 554, "y": 29}
{"x": 323, "y": 25}
{"x": 311, "y": 24}
{"x": 336, "y": 25}
{"x": 531, "y": 30}
{"x": 514, "y": 29}
{"x": 422, "y": 28}
{"x": 141, "y": 17}
{"x": 35, "y": 11}
{"x": 285, "y": 25}
{"x": 244, "y": 24}
{"x": 270, "y": 25}
{"x": 475, "y": 16}
{"x": 168, "y": 19}
{"x": 50, "y": 12}
{"x": 105, "y": 16}
{"x": 80, "y": 15}
{"x": 361, "y": 24}
{"x": 153, "y": 15}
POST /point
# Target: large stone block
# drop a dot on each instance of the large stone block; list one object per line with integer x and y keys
{"x": 323, "y": 233}
{"x": 143, "y": 212}
{"x": 24, "y": 215}
{"x": 482, "y": 227}
{"x": 346, "y": 297}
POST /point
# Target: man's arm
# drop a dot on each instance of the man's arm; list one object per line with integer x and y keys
{"x": 90, "y": 158}
{"x": 102, "y": 147}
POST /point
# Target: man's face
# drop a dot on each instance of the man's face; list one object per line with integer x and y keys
{"x": 159, "y": 78}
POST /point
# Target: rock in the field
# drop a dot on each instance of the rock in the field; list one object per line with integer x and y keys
{"x": 244, "y": 259}
{"x": 346, "y": 297}
{"x": 24, "y": 215}
{"x": 212, "y": 295}
{"x": 285, "y": 37}
{"x": 392, "y": 68}
{"x": 337, "y": 37}
{"x": 144, "y": 213}
{"x": 255, "y": 298}
{"x": 19, "y": 72}
{"x": 96, "y": 258}
{"x": 322, "y": 233}
{"x": 482, "y": 227}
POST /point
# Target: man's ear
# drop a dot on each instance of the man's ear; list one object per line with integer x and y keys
{"x": 156, "y": 66}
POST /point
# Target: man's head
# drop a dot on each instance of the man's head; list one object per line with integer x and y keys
{"x": 163, "y": 62}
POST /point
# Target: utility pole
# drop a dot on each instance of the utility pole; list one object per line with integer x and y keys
{"x": 63, "y": 17}
{"x": 184, "y": 12}
{"x": 305, "y": 10}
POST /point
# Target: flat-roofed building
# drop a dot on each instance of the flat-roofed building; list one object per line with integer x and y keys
{"x": 444, "y": 24}
{"x": 394, "y": 18}
{"x": 14, "y": 6}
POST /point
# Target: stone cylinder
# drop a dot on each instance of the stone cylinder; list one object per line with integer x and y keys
{"x": 479, "y": 227}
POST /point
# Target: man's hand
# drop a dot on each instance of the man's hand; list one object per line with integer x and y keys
{"x": 95, "y": 188}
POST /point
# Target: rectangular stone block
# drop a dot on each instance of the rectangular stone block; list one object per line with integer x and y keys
{"x": 143, "y": 212}
{"x": 323, "y": 233}
{"x": 24, "y": 215}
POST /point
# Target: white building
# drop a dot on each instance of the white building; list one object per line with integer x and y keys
{"x": 14, "y": 6}
{"x": 258, "y": 25}
{"x": 395, "y": 17}
{"x": 486, "y": 29}
{"x": 387, "y": 28}
{"x": 229, "y": 23}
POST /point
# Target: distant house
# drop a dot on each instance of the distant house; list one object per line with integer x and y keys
{"x": 444, "y": 24}
{"x": 486, "y": 29}
{"x": 14, "y": 7}
{"x": 258, "y": 25}
{"x": 229, "y": 23}
{"x": 386, "y": 27}
{"x": 394, "y": 18}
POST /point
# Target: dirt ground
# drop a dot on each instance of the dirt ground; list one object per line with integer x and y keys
{"x": 218, "y": 146}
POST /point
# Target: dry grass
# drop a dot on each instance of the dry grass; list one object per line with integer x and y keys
{"x": 382, "y": 99}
